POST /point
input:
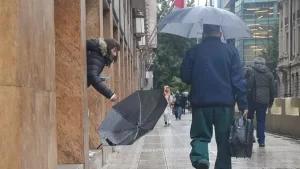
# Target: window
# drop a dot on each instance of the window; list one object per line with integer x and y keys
{"x": 287, "y": 42}
{"x": 258, "y": 10}
{"x": 285, "y": 84}
{"x": 292, "y": 57}
{"x": 297, "y": 85}
{"x": 294, "y": 42}
{"x": 298, "y": 39}
{"x": 293, "y": 83}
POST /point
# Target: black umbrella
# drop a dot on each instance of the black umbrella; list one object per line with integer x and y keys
{"x": 132, "y": 118}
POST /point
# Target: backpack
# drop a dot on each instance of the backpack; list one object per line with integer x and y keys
{"x": 179, "y": 100}
{"x": 241, "y": 137}
{"x": 251, "y": 85}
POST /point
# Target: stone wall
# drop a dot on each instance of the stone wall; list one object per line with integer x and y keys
{"x": 284, "y": 117}
{"x": 289, "y": 61}
{"x": 27, "y": 85}
{"x": 48, "y": 115}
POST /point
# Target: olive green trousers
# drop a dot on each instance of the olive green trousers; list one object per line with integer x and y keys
{"x": 202, "y": 131}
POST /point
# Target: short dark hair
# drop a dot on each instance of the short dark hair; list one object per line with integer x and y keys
{"x": 211, "y": 29}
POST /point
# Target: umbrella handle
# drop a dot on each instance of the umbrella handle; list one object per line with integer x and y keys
{"x": 99, "y": 146}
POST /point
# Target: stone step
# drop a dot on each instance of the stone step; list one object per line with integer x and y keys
{"x": 70, "y": 166}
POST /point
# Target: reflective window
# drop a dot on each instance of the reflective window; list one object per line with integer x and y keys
{"x": 260, "y": 18}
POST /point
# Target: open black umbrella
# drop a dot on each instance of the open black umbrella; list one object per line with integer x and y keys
{"x": 132, "y": 118}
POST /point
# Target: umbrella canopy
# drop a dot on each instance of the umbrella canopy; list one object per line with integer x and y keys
{"x": 132, "y": 118}
{"x": 188, "y": 22}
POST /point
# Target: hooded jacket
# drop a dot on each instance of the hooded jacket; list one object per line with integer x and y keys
{"x": 97, "y": 59}
{"x": 265, "y": 85}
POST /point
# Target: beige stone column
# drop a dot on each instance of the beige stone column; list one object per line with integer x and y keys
{"x": 130, "y": 75}
{"x": 108, "y": 33}
{"x": 122, "y": 68}
{"x": 95, "y": 99}
{"x": 125, "y": 71}
{"x": 27, "y": 85}
{"x": 71, "y": 89}
{"x": 117, "y": 65}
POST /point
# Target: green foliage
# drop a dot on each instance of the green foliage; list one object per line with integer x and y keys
{"x": 170, "y": 52}
{"x": 177, "y": 85}
{"x": 271, "y": 53}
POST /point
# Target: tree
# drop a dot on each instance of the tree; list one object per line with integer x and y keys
{"x": 170, "y": 52}
{"x": 271, "y": 53}
{"x": 177, "y": 85}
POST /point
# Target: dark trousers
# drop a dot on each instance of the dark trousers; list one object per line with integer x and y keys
{"x": 178, "y": 112}
{"x": 201, "y": 133}
{"x": 261, "y": 110}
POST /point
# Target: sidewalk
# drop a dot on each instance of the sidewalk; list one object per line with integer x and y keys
{"x": 169, "y": 148}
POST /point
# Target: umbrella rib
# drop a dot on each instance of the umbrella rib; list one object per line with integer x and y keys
{"x": 123, "y": 116}
{"x": 150, "y": 112}
{"x": 189, "y": 32}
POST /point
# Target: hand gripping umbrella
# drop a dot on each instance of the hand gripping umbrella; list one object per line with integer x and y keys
{"x": 132, "y": 118}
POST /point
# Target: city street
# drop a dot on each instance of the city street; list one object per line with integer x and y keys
{"x": 169, "y": 147}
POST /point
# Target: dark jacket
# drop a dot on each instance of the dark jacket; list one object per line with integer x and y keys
{"x": 264, "y": 84}
{"x": 179, "y": 100}
{"x": 95, "y": 65}
{"x": 215, "y": 71}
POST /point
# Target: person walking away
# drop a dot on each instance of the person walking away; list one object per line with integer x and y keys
{"x": 260, "y": 94}
{"x": 168, "y": 111}
{"x": 179, "y": 105}
{"x": 184, "y": 103}
{"x": 215, "y": 72}
{"x": 100, "y": 53}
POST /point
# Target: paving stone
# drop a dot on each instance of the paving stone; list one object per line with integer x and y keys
{"x": 169, "y": 148}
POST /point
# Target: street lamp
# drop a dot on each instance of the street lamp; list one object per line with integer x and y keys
{"x": 139, "y": 24}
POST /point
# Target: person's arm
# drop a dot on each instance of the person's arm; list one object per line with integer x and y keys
{"x": 186, "y": 69}
{"x": 238, "y": 81}
{"x": 272, "y": 90}
{"x": 97, "y": 82}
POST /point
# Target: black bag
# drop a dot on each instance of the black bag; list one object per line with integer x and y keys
{"x": 251, "y": 85}
{"x": 241, "y": 137}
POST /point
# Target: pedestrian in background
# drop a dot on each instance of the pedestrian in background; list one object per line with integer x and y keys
{"x": 179, "y": 104}
{"x": 260, "y": 95}
{"x": 168, "y": 110}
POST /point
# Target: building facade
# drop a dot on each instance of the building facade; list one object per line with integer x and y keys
{"x": 50, "y": 117}
{"x": 289, "y": 48}
{"x": 261, "y": 16}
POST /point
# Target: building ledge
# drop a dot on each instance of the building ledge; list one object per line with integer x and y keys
{"x": 70, "y": 166}
{"x": 95, "y": 161}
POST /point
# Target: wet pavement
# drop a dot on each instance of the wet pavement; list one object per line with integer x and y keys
{"x": 169, "y": 147}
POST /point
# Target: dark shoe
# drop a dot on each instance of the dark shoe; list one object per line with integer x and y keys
{"x": 262, "y": 145}
{"x": 166, "y": 123}
{"x": 203, "y": 165}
